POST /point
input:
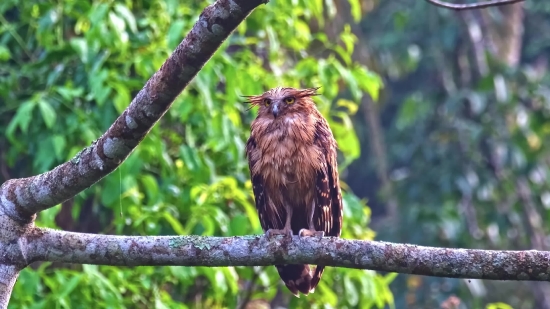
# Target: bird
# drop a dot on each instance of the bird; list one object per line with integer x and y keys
{"x": 292, "y": 157}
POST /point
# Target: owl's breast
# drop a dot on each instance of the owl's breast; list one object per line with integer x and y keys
{"x": 289, "y": 157}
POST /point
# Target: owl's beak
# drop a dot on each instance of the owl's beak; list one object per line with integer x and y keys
{"x": 275, "y": 110}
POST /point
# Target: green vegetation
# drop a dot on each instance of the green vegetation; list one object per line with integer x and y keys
{"x": 69, "y": 68}
{"x": 442, "y": 119}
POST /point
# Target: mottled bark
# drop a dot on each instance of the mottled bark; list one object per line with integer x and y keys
{"x": 8, "y": 276}
{"x": 258, "y": 250}
{"x": 21, "y": 199}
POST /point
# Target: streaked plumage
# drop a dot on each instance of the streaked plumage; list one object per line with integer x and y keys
{"x": 292, "y": 158}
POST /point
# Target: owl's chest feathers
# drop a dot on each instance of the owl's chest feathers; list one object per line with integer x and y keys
{"x": 289, "y": 157}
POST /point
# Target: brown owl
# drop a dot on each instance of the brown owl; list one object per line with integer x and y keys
{"x": 292, "y": 158}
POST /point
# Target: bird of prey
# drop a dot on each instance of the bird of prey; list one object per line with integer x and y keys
{"x": 292, "y": 159}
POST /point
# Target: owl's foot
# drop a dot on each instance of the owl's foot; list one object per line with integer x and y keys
{"x": 287, "y": 233}
{"x": 306, "y": 233}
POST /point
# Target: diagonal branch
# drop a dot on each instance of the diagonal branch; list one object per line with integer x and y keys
{"x": 8, "y": 275}
{"x": 472, "y": 6}
{"x": 22, "y": 198}
{"x": 256, "y": 250}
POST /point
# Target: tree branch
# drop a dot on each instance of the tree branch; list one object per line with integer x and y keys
{"x": 472, "y": 6}
{"x": 8, "y": 276}
{"x": 256, "y": 250}
{"x": 22, "y": 198}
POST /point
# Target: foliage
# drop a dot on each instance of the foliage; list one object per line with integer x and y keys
{"x": 68, "y": 69}
{"x": 467, "y": 148}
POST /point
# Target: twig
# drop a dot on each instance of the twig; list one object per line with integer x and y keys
{"x": 16, "y": 36}
{"x": 249, "y": 290}
{"x": 472, "y": 6}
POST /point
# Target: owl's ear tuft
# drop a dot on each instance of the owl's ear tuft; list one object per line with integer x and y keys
{"x": 253, "y": 100}
{"x": 308, "y": 92}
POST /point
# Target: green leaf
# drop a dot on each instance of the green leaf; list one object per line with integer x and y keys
{"x": 351, "y": 292}
{"x": 368, "y": 81}
{"x": 69, "y": 287}
{"x": 4, "y": 53}
{"x": 175, "y": 33}
{"x": 80, "y": 46}
{"x": 99, "y": 90}
{"x": 58, "y": 144}
{"x": 118, "y": 25}
{"x": 355, "y": 10}
{"x": 22, "y": 117}
{"x": 498, "y": 305}
{"x": 389, "y": 278}
{"x": 238, "y": 225}
{"x": 122, "y": 97}
{"x": 348, "y": 143}
{"x": 351, "y": 106}
{"x": 175, "y": 224}
{"x": 127, "y": 15}
{"x": 48, "y": 113}
{"x": 350, "y": 80}
{"x": 98, "y": 13}
{"x": 414, "y": 109}
{"x": 150, "y": 185}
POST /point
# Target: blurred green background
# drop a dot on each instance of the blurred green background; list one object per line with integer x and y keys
{"x": 442, "y": 120}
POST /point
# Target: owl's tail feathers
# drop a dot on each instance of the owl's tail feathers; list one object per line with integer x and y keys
{"x": 316, "y": 277}
{"x": 297, "y": 277}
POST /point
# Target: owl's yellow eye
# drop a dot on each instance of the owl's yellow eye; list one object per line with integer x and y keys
{"x": 267, "y": 102}
{"x": 289, "y": 100}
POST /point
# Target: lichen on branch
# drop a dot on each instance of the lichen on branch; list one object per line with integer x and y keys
{"x": 258, "y": 250}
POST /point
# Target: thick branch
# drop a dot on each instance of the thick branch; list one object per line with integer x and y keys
{"x": 22, "y": 198}
{"x": 59, "y": 246}
{"x": 8, "y": 276}
{"x": 472, "y": 6}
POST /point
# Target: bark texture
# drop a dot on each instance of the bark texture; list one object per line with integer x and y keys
{"x": 258, "y": 250}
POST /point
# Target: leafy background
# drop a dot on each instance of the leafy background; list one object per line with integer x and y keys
{"x": 441, "y": 118}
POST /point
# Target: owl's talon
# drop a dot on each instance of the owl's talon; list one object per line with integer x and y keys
{"x": 306, "y": 233}
{"x": 287, "y": 233}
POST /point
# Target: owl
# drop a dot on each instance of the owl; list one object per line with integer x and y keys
{"x": 292, "y": 155}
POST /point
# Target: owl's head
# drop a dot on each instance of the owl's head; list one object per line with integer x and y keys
{"x": 279, "y": 101}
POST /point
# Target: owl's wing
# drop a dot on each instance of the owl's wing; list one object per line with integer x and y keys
{"x": 268, "y": 218}
{"x": 327, "y": 215}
